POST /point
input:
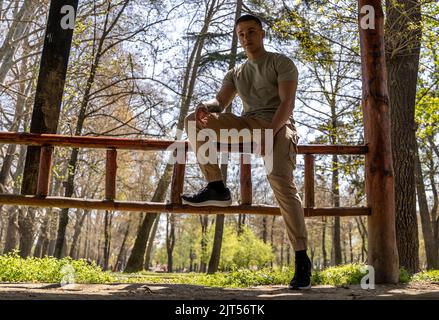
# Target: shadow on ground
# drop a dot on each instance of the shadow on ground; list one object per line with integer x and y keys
{"x": 145, "y": 291}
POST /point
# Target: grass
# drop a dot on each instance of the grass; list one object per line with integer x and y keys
{"x": 52, "y": 270}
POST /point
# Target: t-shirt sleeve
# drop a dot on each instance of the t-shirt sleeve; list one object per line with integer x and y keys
{"x": 286, "y": 69}
{"x": 228, "y": 78}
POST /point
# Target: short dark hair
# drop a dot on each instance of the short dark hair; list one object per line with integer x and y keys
{"x": 249, "y": 17}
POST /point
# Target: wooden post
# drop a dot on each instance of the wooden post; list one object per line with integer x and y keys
{"x": 309, "y": 180}
{"x": 382, "y": 250}
{"x": 178, "y": 180}
{"x": 45, "y": 168}
{"x": 110, "y": 174}
{"x": 246, "y": 179}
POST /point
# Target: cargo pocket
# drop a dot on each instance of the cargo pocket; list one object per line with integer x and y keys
{"x": 293, "y": 149}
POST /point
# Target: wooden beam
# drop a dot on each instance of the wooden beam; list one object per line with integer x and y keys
{"x": 331, "y": 149}
{"x": 309, "y": 180}
{"x": 45, "y": 168}
{"x": 110, "y": 174}
{"x": 148, "y": 144}
{"x": 154, "y": 207}
{"x": 245, "y": 179}
{"x": 382, "y": 252}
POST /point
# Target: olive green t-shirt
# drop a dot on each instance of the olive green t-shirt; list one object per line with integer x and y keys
{"x": 256, "y": 83}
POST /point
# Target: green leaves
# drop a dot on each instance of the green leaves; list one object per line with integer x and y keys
{"x": 13, "y": 268}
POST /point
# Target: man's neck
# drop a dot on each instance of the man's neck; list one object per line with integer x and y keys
{"x": 253, "y": 56}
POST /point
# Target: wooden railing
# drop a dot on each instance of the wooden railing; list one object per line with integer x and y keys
{"x": 49, "y": 141}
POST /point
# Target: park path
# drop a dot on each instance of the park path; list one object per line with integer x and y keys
{"x": 36, "y": 291}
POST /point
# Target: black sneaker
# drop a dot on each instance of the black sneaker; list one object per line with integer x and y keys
{"x": 208, "y": 196}
{"x": 302, "y": 275}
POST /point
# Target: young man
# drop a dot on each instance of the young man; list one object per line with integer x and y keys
{"x": 266, "y": 84}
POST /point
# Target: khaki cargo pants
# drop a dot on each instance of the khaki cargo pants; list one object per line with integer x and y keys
{"x": 281, "y": 176}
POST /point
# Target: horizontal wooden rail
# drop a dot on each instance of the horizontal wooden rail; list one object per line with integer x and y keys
{"x": 48, "y": 141}
{"x": 63, "y": 202}
{"x": 34, "y": 139}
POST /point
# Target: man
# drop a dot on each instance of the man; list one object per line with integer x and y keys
{"x": 266, "y": 84}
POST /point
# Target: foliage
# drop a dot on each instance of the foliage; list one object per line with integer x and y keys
{"x": 429, "y": 275}
{"x": 404, "y": 275}
{"x": 243, "y": 251}
{"x": 13, "y": 268}
{"x": 340, "y": 275}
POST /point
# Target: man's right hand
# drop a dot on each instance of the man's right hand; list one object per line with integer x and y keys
{"x": 202, "y": 114}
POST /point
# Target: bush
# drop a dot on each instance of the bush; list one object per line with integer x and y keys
{"x": 13, "y": 268}
{"x": 340, "y": 275}
{"x": 404, "y": 275}
{"x": 430, "y": 275}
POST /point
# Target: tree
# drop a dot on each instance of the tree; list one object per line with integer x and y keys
{"x": 219, "y": 221}
{"x": 402, "y": 42}
{"x": 136, "y": 259}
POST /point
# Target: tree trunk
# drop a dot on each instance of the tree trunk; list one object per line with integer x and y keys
{"x": 11, "y": 239}
{"x": 427, "y": 231}
{"x": 43, "y": 236}
{"x": 20, "y": 25}
{"x": 191, "y": 259}
{"x": 107, "y": 238}
{"x": 264, "y": 229}
{"x": 217, "y": 244}
{"x": 12, "y": 230}
{"x": 151, "y": 243}
{"x": 204, "y": 220}
{"x": 47, "y": 105}
{"x": 64, "y": 217}
{"x": 219, "y": 221}
{"x": 324, "y": 254}
{"x": 403, "y": 36}
{"x": 382, "y": 252}
{"x": 119, "y": 260}
{"x": 336, "y": 241}
{"x": 363, "y": 233}
{"x": 351, "y": 250}
{"x": 170, "y": 239}
{"x": 26, "y": 230}
{"x": 80, "y": 218}
{"x": 435, "y": 207}
{"x": 136, "y": 259}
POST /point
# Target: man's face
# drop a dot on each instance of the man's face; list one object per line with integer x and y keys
{"x": 250, "y": 35}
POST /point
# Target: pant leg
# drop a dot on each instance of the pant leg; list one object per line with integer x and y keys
{"x": 207, "y": 161}
{"x": 282, "y": 182}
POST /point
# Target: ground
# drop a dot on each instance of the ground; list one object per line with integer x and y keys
{"x": 18, "y": 291}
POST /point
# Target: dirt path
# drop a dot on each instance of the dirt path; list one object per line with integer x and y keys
{"x": 18, "y": 291}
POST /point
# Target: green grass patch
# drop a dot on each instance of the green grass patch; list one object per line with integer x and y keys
{"x": 52, "y": 270}
{"x": 13, "y": 268}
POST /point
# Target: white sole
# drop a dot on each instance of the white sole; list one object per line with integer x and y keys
{"x": 215, "y": 203}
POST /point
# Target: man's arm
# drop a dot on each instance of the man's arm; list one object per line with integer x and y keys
{"x": 218, "y": 104}
{"x": 287, "y": 94}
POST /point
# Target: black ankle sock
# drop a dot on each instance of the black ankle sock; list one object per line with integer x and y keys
{"x": 301, "y": 255}
{"x": 217, "y": 185}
